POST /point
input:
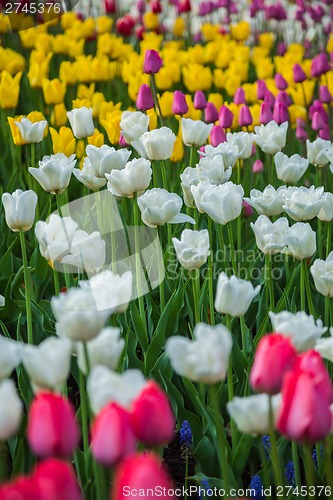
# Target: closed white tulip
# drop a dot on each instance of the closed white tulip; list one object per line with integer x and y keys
{"x": 195, "y": 132}
{"x": 271, "y": 137}
{"x": 81, "y": 121}
{"x": 87, "y": 176}
{"x": 54, "y": 172}
{"x": 10, "y": 356}
{"x": 133, "y": 124}
{"x": 251, "y": 413}
{"x": 159, "y": 207}
{"x": 300, "y": 241}
{"x": 290, "y": 169}
{"x": 55, "y": 236}
{"x": 317, "y": 151}
{"x": 156, "y": 145}
{"x": 322, "y": 273}
{"x": 193, "y": 248}
{"x": 303, "y": 329}
{"x": 76, "y": 314}
{"x": 270, "y": 236}
{"x": 31, "y": 132}
{"x": 87, "y": 251}
{"x": 325, "y": 346}
{"x": 105, "y": 350}
{"x": 228, "y": 151}
{"x": 11, "y": 410}
{"x": 48, "y": 364}
{"x": 134, "y": 178}
{"x": 204, "y": 359}
{"x": 20, "y": 208}
{"x": 269, "y": 202}
{"x": 190, "y": 177}
{"x": 111, "y": 291}
{"x": 222, "y": 203}
{"x": 244, "y": 142}
{"x": 234, "y": 295}
{"x": 326, "y": 211}
{"x": 105, "y": 386}
{"x": 105, "y": 159}
{"x": 302, "y": 203}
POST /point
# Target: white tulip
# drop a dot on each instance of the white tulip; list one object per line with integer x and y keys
{"x": 300, "y": 241}
{"x": 234, "y": 295}
{"x": 228, "y": 151}
{"x": 87, "y": 251}
{"x": 48, "y": 364}
{"x": 159, "y": 207}
{"x": 87, "y": 176}
{"x": 105, "y": 386}
{"x": 251, "y": 413}
{"x": 105, "y": 159}
{"x": 54, "y": 172}
{"x": 325, "y": 346}
{"x": 290, "y": 169}
{"x": 134, "y": 178}
{"x": 10, "y": 356}
{"x": 20, "y": 207}
{"x": 271, "y": 137}
{"x": 76, "y": 314}
{"x": 111, "y": 291}
{"x": 269, "y": 202}
{"x": 31, "y": 132}
{"x": 2, "y": 301}
{"x": 81, "y": 121}
{"x": 222, "y": 203}
{"x": 317, "y": 151}
{"x": 11, "y": 410}
{"x": 155, "y": 145}
{"x": 190, "y": 177}
{"x": 322, "y": 273}
{"x": 195, "y": 132}
{"x": 326, "y": 211}
{"x": 270, "y": 237}
{"x": 213, "y": 170}
{"x": 204, "y": 359}
{"x": 244, "y": 142}
{"x": 193, "y": 248}
{"x": 302, "y": 329}
{"x": 55, "y": 236}
{"x": 105, "y": 350}
{"x": 302, "y": 203}
{"x": 133, "y": 124}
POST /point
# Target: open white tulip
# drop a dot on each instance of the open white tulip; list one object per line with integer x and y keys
{"x": 322, "y": 273}
{"x": 195, "y": 132}
{"x": 234, "y": 295}
{"x": 20, "y": 208}
{"x": 193, "y": 248}
{"x": 10, "y": 356}
{"x": 105, "y": 159}
{"x": 133, "y": 124}
{"x": 244, "y": 142}
{"x": 271, "y": 137}
{"x": 324, "y": 346}
{"x": 87, "y": 176}
{"x": 157, "y": 144}
{"x": 229, "y": 153}
{"x": 300, "y": 241}
{"x": 190, "y": 177}
{"x": 269, "y": 202}
{"x": 204, "y": 359}
{"x": 317, "y": 151}
{"x": 213, "y": 170}
{"x": 54, "y": 172}
{"x": 290, "y": 169}
{"x": 55, "y": 236}
{"x": 87, "y": 251}
{"x": 222, "y": 203}
{"x": 251, "y": 413}
{"x": 31, "y": 132}
{"x": 111, "y": 291}
{"x": 302, "y": 203}
{"x": 81, "y": 121}
{"x": 134, "y": 178}
{"x": 326, "y": 211}
{"x": 11, "y": 410}
{"x": 270, "y": 236}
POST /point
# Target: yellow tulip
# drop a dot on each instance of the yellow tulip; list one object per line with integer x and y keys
{"x": 63, "y": 141}
{"x": 80, "y": 149}
{"x": 104, "y": 24}
{"x": 97, "y": 100}
{"x": 59, "y": 115}
{"x": 97, "y": 139}
{"x": 4, "y": 23}
{"x": 112, "y": 126}
{"x": 152, "y": 119}
{"x": 150, "y": 41}
{"x": 67, "y": 20}
{"x": 80, "y": 103}
{"x": 11, "y": 61}
{"x": 164, "y": 78}
{"x": 165, "y": 101}
{"x": 106, "y": 108}
{"x": 9, "y": 90}
{"x": 75, "y": 47}
{"x": 15, "y": 131}
{"x": 68, "y": 73}
{"x": 265, "y": 69}
{"x": 302, "y": 93}
{"x": 209, "y": 31}
{"x": 53, "y": 91}
{"x": 194, "y": 114}
{"x": 219, "y": 78}
{"x": 85, "y": 92}
{"x": 178, "y": 150}
{"x": 43, "y": 43}
{"x": 240, "y": 31}
{"x": 150, "y": 21}
{"x": 60, "y": 44}
{"x": 197, "y": 77}
{"x": 266, "y": 40}
{"x": 28, "y": 38}
{"x": 179, "y": 27}
{"x": 329, "y": 45}
{"x": 296, "y": 111}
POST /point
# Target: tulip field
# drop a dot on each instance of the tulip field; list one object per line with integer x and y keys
{"x": 166, "y": 255}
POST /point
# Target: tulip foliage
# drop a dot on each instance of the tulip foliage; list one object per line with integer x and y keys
{"x": 166, "y": 259}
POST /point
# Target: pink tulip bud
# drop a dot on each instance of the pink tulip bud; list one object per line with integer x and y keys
{"x": 324, "y": 94}
{"x": 52, "y": 428}
{"x": 199, "y": 100}
{"x": 324, "y": 133}
{"x": 266, "y": 114}
{"x": 145, "y": 99}
{"x": 122, "y": 141}
{"x": 283, "y": 97}
{"x": 226, "y": 117}
{"x": 245, "y": 117}
{"x": 269, "y": 98}
{"x": 299, "y": 75}
{"x": 280, "y": 82}
{"x": 152, "y": 62}
{"x": 56, "y": 480}
{"x": 274, "y": 357}
{"x": 239, "y": 97}
{"x": 280, "y": 113}
{"x": 281, "y": 49}
{"x": 301, "y": 134}
{"x": 217, "y": 135}
{"x": 211, "y": 113}
{"x": 179, "y": 104}
{"x": 317, "y": 122}
{"x": 247, "y": 209}
{"x": 261, "y": 89}
{"x": 184, "y": 6}
{"x": 151, "y": 416}
{"x": 110, "y": 6}
{"x": 258, "y": 167}
{"x": 320, "y": 65}
{"x": 155, "y": 6}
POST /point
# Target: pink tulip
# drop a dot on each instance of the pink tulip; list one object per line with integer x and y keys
{"x": 217, "y": 135}
{"x": 266, "y": 114}
{"x": 280, "y": 82}
{"x": 324, "y": 94}
{"x": 179, "y": 104}
{"x": 152, "y": 62}
{"x": 239, "y": 97}
{"x": 145, "y": 99}
{"x": 199, "y": 100}
{"x": 299, "y": 75}
{"x": 301, "y": 134}
{"x": 56, "y": 480}
{"x": 318, "y": 122}
{"x": 52, "y": 428}
{"x": 152, "y": 417}
{"x": 283, "y": 97}
{"x": 245, "y": 117}
{"x": 320, "y": 65}
{"x": 247, "y": 209}
{"x": 258, "y": 167}
{"x": 22, "y": 488}
{"x": 226, "y": 117}
{"x": 269, "y": 98}
{"x": 261, "y": 89}
{"x": 211, "y": 113}
{"x": 280, "y": 113}
{"x": 325, "y": 133}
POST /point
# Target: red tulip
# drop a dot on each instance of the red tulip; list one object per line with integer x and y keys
{"x": 152, "y": 418}
{"x": 56, "y": 480}
{"x": 52, "y": 428}
{"x": 125, "y": 25}
{"x": 112, "y": 437}
{"x": 23, "y": 488}
{"x": 141, "y": 472}
{"x": 274, "y": 357}
{"x": 110, "y": 6}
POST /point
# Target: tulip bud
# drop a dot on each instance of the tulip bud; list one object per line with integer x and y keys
{"x": 280, "y": 82}
{"x": 281, "y": 49}
{"x": 125, "y": 25}
{"x": 81, "y": 121}
{"x": 151, "y": 417}
{"x": 239, "y": 97}
{"x": 179, "y": 104}
{"x": 55, "y": 480}
{"x": 110, "y": 6}
{"x": 211, "y": 113}
{"x": 261, "y": 89}
{"x": 156, "y": 7}
{"x": 269, "y": 98}
{"x": 52, "y": 428}
{"x": 122, "y": 141}
{"x": 217, "y": 136}
{"x": 247, "y": 209}
{"x": 320, "y": 65}
{"x": 245, "y": 117}
{"x": 226, "y": 117}
{"x": 266, "y": 114}
{"x": 324, "y": 133}
{"x": 145, "y": 99}
{"x": 324, "y": 94}
{"x": 152, "y": 62}
{"x": 283, "y": 97}
{"x": 10, "y": 409}
{"x": 301, "y": 134}
{"x": 318, "y": 122}
{"x": 280, "y": 113}
{"x": 274, "y": 357}
{"x": 20, "y": 208}
{"x": 184, "y": 6}
{"x": 299, "y": 75}
{"x": 258, "y": 167}
{"x": 199, "y": 100}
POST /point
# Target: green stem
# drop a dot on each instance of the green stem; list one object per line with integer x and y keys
{"x": 27, "y": 281}
{"x": 320, "y": 238}
{"x": 308, "y": 289}
{"x": 294, "y": 448}
{"x": 302, "y": 287}
{"x": 245, "y": 345}
{"x": 196, "y": 294}
{"x": 138, "y": 262}
{"x": 328, "y": 241}
{"x": 328, "y": 462}
{"x": 210, "y": 274}
{"x": 186, "y": 474}
{"x": 309, "y": 467}
{"x": 331, "y": 309}
{"x": 269, "y": 280}
{"x": 232, "y": 248}
{"x": 157, "y": 102}
{"x": 274, "y": 450}
{"x": 239, "y": 219}
{"x": 231, "y": 388}
{"x": 164, "y": 178}
{"x": 84, "y": 414}
{"x": 56, "y": 282}
{"x": 192, "y": 151}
